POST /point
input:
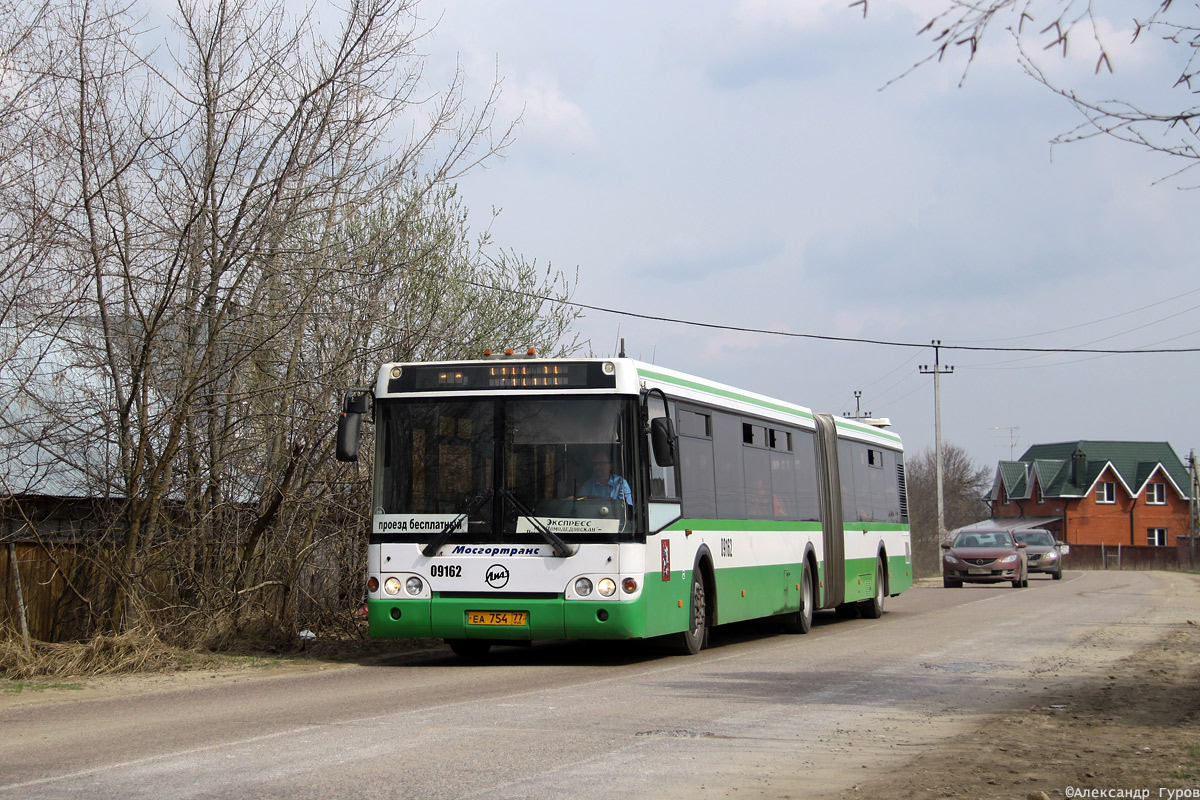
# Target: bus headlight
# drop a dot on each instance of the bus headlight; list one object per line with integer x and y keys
{"x": 607, "y": 587}
{"x": 372, "y": 584}
{"x": 583, "y": 587}
{"x": 629, "y": 585}
{"x": 414, "y": 586}
{"x": 392, "y": 586}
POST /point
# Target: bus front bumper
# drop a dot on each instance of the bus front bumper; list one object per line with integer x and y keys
{"x": 545, "y": 618}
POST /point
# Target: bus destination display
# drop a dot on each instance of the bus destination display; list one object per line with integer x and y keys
{"x": 502, "y": 375}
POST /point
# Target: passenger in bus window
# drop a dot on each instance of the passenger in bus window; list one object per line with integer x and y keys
{"x": 603, "y": 483}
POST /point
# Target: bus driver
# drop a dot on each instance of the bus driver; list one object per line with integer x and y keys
{"x": 603, "y": 483}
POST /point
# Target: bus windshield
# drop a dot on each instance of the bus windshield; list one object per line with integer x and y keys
{"x": 506, "y": 470}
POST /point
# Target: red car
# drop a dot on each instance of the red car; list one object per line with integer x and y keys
{"x": 984, "y": 556}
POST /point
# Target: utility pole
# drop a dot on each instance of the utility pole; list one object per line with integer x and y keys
{"x": 857, "y": 408}
{"x": 937, "y": 370}
{"x": 1193, "y": 508}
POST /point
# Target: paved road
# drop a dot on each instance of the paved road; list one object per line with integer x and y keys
{"x": 763, "y": 714}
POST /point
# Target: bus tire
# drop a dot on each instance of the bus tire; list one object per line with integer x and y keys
{"x": 801, "y": 621}
{"x": 470, "y": 649}
{"x": 692, "y": 641}
{"x": 873, "y": 608}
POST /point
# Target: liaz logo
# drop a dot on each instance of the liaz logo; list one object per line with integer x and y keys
{"x": 497, "y": 576}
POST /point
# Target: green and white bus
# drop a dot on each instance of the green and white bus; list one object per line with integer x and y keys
{"x": 520, "y": 498}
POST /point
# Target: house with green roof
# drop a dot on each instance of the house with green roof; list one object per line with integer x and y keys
{"x": 1096, "y": 492}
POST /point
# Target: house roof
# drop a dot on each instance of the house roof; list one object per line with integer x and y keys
{"x": 1071, "y": 469}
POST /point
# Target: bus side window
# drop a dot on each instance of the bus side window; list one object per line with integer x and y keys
{"x": 696, "y": 465}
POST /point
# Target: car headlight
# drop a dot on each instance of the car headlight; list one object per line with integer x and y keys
{"x": 1050, "y": 556}
{"x": 951, "y": 559}
{"x": 1010, "y": 559}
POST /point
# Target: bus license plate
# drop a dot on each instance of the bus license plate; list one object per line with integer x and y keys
{"x": 496, "y": 617}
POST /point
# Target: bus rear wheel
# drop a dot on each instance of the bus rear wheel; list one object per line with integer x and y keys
{"x": 873, "y": 608}
{"x": 692, "y": 641}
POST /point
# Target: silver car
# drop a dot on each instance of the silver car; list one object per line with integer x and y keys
{"x": 1043, "y": 552}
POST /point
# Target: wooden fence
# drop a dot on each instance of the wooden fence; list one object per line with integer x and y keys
{"x": 51, "y": 582}
{"x": 1182, "y": 557}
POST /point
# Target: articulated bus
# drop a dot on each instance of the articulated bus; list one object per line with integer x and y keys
{"x": 518, "y": 499}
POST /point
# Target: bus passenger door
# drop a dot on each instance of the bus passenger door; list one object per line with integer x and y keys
{"x": 833, "y": 527}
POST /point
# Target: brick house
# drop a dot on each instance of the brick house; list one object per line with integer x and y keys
{"x": 1085, "y": 492}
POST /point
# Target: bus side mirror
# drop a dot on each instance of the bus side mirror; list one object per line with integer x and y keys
{"x": 355, "y": 403}
{"x": 662, "y": 439}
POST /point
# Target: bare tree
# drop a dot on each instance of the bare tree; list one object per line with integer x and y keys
{"x": 237, "y": 225}
{"x": 1165, "y": 120}
{"x": 964, "y": 486}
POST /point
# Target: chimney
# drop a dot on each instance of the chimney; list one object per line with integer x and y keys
{"x": 1079, "y": 467}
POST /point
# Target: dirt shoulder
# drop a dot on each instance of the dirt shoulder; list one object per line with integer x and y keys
{"x": 208, "y": 669}
{"x": 1134, "y": 729}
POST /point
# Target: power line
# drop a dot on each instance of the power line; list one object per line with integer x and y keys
{"x": 1104, "y": 319}
{"x": 815, "y": 336}
{"x": 828, "y": 338}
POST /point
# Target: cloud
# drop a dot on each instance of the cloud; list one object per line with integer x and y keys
{"x": 772, "y": 41}
{"x": 788, "y": 13}
{"x": 697, "y": 257}
{"x": 547, "y": 116}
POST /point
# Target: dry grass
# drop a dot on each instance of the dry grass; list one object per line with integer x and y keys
{"x": 134, "y": 651}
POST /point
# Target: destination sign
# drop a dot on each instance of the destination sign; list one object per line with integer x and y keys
{"x": 541, "y": 375}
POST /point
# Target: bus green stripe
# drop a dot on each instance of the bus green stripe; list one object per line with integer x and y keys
{"x": 732, "y": 395}
{"x": 704, "y": 387}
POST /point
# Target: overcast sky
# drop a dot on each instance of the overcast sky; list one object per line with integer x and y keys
{"x": 742, "y": 163}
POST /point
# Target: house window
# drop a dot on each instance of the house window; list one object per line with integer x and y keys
{"x": 1156, "y": 536}
{"x": 1106, "y": 492}
{"x": 1156, "y": 494}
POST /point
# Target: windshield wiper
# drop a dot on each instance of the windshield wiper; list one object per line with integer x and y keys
{"x": 445, "y": 533}
{"x": 561, "y": 548}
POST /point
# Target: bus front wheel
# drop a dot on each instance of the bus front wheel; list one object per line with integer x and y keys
{"x": 801, "y": 621}
{"x": 692, "y": 640}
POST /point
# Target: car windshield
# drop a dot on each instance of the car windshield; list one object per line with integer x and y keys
{"x": 983, "y": 539}
{"x": 1036, "y": 538}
